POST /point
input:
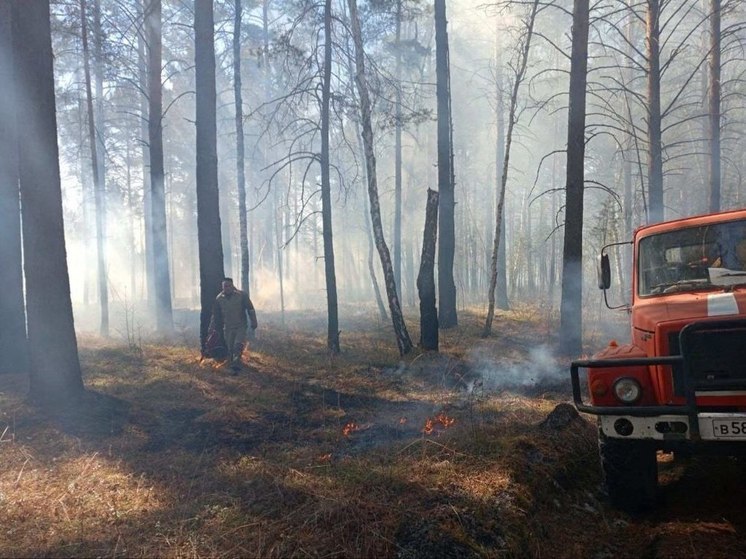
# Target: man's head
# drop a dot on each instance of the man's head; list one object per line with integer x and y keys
{"x": 228, "y": 287}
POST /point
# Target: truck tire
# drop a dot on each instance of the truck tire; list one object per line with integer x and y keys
{"x": 630, "y": 473}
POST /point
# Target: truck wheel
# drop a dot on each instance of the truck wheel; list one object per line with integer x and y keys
{"x": 630, "y": 472}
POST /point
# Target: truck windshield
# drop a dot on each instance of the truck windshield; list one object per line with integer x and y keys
{"x": 692, "y": 258}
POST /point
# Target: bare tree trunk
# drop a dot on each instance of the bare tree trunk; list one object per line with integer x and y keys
{"x": 501, "y": 293}
{"x": 655, "y": 153}
{"x": 715, "y": 105}
{"x": 146, "y": 189}
{"x": 97, "y": 179}
{"x": 512, "y": 119}
{"x": 371, "y": 270}
{"x": 400, "y": 328}
{"x": 277, "y": 220}
{"x": 208, "y": 203}
{"x": 426, "y": 277}
{"x": 100, "y": 198}
{"x": 446, "y": 187}
{"x": 130, "y": 219}
{"x": 240, "y": 149}
{"x": 332, "y": 338}
{"x": 13, "y": 345}
{"x": 398, "y": 152}
{"x": 162, "y": 281}
{"x": 368, "y": 230}
{"x": 55, "y": 368}
{"x": 571, "y": 315}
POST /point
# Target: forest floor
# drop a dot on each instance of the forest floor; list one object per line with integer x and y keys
{"x": 463, "y": 453}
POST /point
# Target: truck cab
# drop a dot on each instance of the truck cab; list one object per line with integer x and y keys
{"x": 680, "y": 383}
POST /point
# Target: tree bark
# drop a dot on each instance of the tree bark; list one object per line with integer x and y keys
{"x": 512, "y": 119}
{"x": 98, "y": 186}
{"x": 446, "y": 224}
{"x": 571, "y": 316}
{"x": 332, "y": 338}
{"x": 142, "y": 47}
{"x": 162, "y": 281}
{"x": 55, "y": 368}
{"x": 13, "y": 345}
{"x": 655, "y": 150}
{"x": 715, "y": 52}
{"x": 501, "y": 293}
{"x": 426, "y": 277}
{"x": 398, "y": 151}
{"x": 240, "y": 150}
{"x": 208, "y": 203}
{"x": 403, "y": 340}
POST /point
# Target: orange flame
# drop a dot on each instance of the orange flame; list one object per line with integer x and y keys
{"x": 402, "y": 420}
{"x": 440, "y": 422}
{"x": 349, "y": 428}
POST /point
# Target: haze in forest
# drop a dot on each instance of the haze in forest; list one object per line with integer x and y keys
{"x": 281, "y": 56}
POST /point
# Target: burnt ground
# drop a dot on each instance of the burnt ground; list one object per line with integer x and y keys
{"x": 472, "y": 452}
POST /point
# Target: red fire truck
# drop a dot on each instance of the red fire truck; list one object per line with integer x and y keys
{"x": 680, "y": 384}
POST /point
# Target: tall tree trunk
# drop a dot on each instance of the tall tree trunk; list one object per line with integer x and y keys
{"x": 268, "y": 231}
{"x": 147, "y": 213}
{"x": 371, "y": 269}
{"x": 501, "y": 293}
{"x": 403, "y": 340}
{"x": 100, "y": 198}
{"x": 512, "y": 119}
{"x": 162, "y": 283}
{"x": 13, "y": 347}
{"x": 240, "y": 150}
{"x": 426, "y": 277}
{"x": 279, "y": 225}
{"x": 208, "y": 203}
{"x": 332, "y": 338}
{"x": 55, "y": 368}
{"x": 715, "y": 105}
{"x": 131, "y": 239}
{"x": 368, "y": 229}
{"x": 398, "y": 152}
{"x": 98, "y": 186}
{"x": 446, "y": 187}
{"x": 571, "y": 315}
{"x": 655, "y": 150}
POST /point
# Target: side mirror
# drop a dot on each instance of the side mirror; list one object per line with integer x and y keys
{"x": 604, "y": 272}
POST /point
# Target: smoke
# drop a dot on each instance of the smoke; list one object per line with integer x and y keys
{"x": 539, "y": 367}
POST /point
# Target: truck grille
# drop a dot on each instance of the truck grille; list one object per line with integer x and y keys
{"x": 677, "y": 370}
{"x": 716, "y": 357}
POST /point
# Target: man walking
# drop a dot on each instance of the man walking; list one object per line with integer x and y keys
{"x": 232, "y": 313}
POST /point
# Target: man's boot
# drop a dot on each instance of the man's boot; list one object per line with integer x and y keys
{"x": 236, "y": 357}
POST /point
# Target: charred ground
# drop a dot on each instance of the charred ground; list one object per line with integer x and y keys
{"x": 459, "y": 454}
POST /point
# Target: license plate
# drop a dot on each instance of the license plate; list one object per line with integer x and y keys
{"x": 729, "y": 428}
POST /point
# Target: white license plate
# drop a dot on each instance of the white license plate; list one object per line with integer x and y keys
{"x": 729, "y": 428}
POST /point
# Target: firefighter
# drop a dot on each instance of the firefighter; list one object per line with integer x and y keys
{"x": 232, "y": 313}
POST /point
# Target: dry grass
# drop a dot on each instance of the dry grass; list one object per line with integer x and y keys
{"x": 303, "y": 454}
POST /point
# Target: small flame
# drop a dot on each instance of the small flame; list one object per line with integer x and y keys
{"x": 440, "y": 422}
{"x": 325, "y": 457}
{"x": 402, "y": 420}
{"x": 349, "y": 428}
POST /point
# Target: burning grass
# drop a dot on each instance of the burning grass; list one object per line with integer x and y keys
{"x": 356, "y": 455}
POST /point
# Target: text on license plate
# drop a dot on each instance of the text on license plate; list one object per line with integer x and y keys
{"x": 735, "y": 428}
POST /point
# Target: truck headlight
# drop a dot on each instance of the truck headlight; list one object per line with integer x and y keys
{"x": 627, "y": 390}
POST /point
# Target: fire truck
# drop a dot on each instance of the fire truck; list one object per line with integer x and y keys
{"x": 680, "y": 384}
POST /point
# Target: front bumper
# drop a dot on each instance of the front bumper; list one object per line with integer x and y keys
{"x": 678, "y": 422}
{"x": 725, "y": 427}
